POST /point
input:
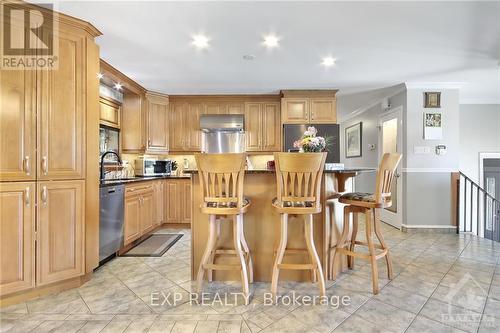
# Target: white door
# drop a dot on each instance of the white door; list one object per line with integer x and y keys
{"x": 391, "y": 141}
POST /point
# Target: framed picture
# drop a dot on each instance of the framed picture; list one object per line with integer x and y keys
{"x": 432, "y": 100}
{"x": 433, "y": 127}
{"x": 353, "y": 140}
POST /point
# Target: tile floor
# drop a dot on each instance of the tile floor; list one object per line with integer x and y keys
{"x": 443, "y": 283}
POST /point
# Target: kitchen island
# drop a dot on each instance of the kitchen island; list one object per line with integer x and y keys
{"x": 261, "y": 225}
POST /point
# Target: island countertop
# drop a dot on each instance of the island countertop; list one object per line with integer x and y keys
{"x": 343, "y": 170}
{"x": 261, "y": 224}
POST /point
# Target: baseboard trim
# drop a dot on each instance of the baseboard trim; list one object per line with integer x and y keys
{"x": 429, "y": 228}
{"x": 53, "y": 288}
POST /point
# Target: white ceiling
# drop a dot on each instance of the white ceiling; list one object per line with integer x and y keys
{"x": 376, "y": 44}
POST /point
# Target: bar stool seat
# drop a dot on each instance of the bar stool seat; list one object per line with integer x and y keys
{"x": 370, "y": 205}
{"x": 298, "y": 178}
{"x": 296, "y": 207}
{"x": 225, "y": 208}
{"x": 221, "y": 178}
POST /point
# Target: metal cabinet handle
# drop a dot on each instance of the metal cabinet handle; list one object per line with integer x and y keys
{"x": 44, "y": 195}
{"x": 27, "y": 165}
{"x": 27, "y": 196}
{"x": 44, "y": 165}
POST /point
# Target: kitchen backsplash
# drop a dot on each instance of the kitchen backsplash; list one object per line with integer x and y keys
{"x": 256, "y": 161}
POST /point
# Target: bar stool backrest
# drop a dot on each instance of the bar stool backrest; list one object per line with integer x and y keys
{"x": 298, "y": 177}
{"x": 221, "y": 177}
{"x": 385, "y": 176}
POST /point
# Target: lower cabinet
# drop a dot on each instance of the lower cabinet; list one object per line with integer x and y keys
{"x": 159, "y": 197}
{"x": 60, "y": 230}
{"x": 17, "y": 237}
{"x": 178, "y": 201}
{"x": 43, "y": 244}
{"x": 139, "y": 211}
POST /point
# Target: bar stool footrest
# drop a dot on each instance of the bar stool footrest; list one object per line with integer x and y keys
{"x": 297, "y": 266}
{"x": 222, "y": 267}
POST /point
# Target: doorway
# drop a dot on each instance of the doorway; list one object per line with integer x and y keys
{"x": 391, "y": 141}
{"x": 491, "y": 181}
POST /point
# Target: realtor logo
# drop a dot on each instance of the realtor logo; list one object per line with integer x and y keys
{"x": 28, "y": 36}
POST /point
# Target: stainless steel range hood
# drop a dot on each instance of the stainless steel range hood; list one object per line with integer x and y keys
{"x": 222, "y": 133}
{"x": 222, "y": 122}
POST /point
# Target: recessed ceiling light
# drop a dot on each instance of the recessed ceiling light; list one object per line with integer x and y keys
{"x": 328, "y": 61}
{"x": 118, "y": 86}
{"x": 249, "y": 57}
{"x": 271, "y": 41}
{"x": 100, "y": 75}
{"x": 200, "y": 41}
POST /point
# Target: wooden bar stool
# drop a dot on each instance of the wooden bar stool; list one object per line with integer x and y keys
{"x": 221, "y": 178}
{"x": 370, "y": 205}
{"x": 298, "y": 177}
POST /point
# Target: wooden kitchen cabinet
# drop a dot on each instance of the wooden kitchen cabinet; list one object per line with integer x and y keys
{"x": 323, "y": 110}
{"x": 308, "y": 107}
{"x": 262, "y": 127}
{"x": 17, "y": 237}
{"x": 109, "y": 112}
{"x": 61, "y": 111}
{"x": 178, "y": 201}
{"x": 60, "y": 230}
{"x": 295, "y": 110}
{"x": 159, "y": 209}
{"x": 132, "y": 218}
{"x": 157, "y": 120}
{"x": 17, "y": 125}
{"x": 185, "y": 134}
{"x": 139, "y": 211}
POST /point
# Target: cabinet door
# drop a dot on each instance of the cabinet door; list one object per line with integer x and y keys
{"x": 271, "y": 127}
{"x": 133, "y": 123}
{"x": 159, "y": 202}
{"x": 17, "y": 125}
{"x": 61, "y": 112}
{"x": 132, "y": 216}
{"x": 109, "y": 113}
{"x": 173, "y": 201}
{"x": 253, "y": 126}
{"x": 60, "y": 228}
{"x": 186, "y": 201}
{"x": 236, "y": 108}
{"x": 157, "y": 124}
{"x": 177, "y": 132}
{"x": 17, "y": 228}
{"x": 192, "y": 125}
{"x": 214, "y": 108}
{"x": 295, "y": 110}
{"x": 323, "y": 110}
{"x": 147, "y": 211}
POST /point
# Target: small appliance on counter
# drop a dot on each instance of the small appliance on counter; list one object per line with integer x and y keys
{"x": 222, "y": 133}
{"x": 149, "y": 167}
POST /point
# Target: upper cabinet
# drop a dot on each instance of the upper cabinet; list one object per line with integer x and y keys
{"x": 157, "y": 123}
{"x": 308, "y": 107}
{"x": 262, "y": 126}
{"x": 109, "y": 112}
{"x": 185, "y": 134}
{"x": 61, "y": 112}
{"x": 17, "y": 125}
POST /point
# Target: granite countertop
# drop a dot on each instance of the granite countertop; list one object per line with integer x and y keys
{"x": 343, "y": 170}
{"x": 123, "y": 181}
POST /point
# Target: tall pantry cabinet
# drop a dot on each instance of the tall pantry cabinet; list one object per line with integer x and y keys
{"x": 49, "y": 209}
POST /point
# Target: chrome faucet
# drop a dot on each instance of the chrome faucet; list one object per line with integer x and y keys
{"x": 101, "y": 166}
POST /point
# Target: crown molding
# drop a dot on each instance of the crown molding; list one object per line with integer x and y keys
{"x": 434, "y": 85}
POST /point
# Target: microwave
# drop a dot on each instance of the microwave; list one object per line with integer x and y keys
{"x": 151, "y": 167}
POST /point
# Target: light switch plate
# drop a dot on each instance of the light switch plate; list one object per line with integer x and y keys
{"x": 421, "y": 150}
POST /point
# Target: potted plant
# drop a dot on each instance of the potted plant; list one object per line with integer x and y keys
{"x": 310, "y": 143}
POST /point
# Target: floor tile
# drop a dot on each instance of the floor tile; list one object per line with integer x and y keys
{"x": 422, "y": 324}
{"x": 356, "y": 324}
{"x": 391, "y": 317}
{"x": 401, "y": 298}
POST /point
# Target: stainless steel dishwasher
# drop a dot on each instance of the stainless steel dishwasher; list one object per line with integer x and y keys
{"x": 111, "y": 201}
